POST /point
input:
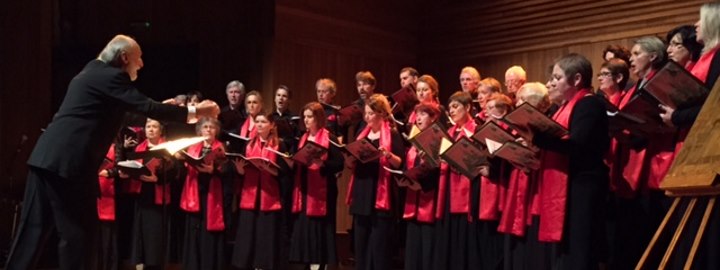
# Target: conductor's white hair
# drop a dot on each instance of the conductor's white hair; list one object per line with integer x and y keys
{"x": 112, "y": 51}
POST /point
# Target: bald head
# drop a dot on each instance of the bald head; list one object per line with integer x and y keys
{"x": 123, "y": 52}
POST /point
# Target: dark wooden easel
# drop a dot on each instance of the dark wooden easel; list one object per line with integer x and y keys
{"x": 693, "y": 176}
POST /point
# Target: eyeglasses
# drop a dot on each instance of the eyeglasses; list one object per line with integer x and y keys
{"x": 675, "y": 44}
{"x": 604, "y": 74}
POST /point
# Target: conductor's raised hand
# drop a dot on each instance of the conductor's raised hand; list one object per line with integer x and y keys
{"x": 207, "y": 108}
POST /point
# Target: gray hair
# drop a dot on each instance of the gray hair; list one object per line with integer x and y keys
{"x": 237, "y": 84}
{"x": 114, "y": 49}
{"x": 653, "y": 45}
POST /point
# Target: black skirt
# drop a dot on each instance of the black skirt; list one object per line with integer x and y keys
{"x": 313, "y": 240}
{"x": 257, "y": 240}
{"x": 148, "y": 244}
{"x": 202, "y": 249}
{"x": 108, "y": 252}
{"x": 419, "y": 244}
{"x": 490, "y": 244}
{"x": 527, "y": 253}
{"x": 456, "y": 245}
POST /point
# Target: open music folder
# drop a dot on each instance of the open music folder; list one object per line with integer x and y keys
{"x": 428, "y": 141}
{"x": 526, "y": 117}
{"x": 464, "y": 156}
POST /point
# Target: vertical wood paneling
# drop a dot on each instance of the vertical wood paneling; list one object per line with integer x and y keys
{"x": 25, "y": 75}
{"x": 495, "y": 35}
{"x": 329, "y": 39}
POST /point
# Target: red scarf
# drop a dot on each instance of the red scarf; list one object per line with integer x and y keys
{"x": 493, "y": 191}
{"x": 316, "y": 184}
{"x": 382, "y": 194}
{"x": 458, "y": 184}
{"x": 517, "y": 202}
{"x": 554, "y": 180}
{"x": 419, "y": 205}
{"x": 259, "y": 182}
{"x": 106, "y": 201}
{"x": 190, "y": 198}
{"x": 134, "y": 186}
{"x": 630, "y": 166}
{"x": 245, "y": 129}
{"x": 702, "y": 67}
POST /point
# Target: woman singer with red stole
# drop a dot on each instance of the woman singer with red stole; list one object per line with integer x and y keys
{"x": 202, "y": 200}
{"x": 259, "y": 218}
{"x": 493, "y": 188}
{"x": 518, "y": 220}
{"x": 370, "y": 191}
{"x": 456, "y": 245}
{"x": 153, "y": 194}
{"x": 641, "y": 161}
{"x": 314, "y": 195}
{"x": 574, "y": 178}
{"x": 419, "y": 211}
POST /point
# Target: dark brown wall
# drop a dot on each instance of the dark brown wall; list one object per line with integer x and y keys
{"x": 25, "y": 61}
{"x": 494, "y": 35}
{"x": 336, "y": 39}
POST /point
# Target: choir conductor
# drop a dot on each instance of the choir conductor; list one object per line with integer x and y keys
{"x": 62, "y": 184}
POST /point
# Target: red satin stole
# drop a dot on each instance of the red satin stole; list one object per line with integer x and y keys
{"x": 106, "y": 201}
{"x": 632, "y": 164}
{"x": 419, "y": 205}
{"x": 247, "y": 131}
{"x": 658, "y": 158}
{"x": 259, "y": 182}
{"x": 493, "y": 191}
{"x": 516, "y": 200}
{"x": 382, "y": 194}
{"x": 554, "y": 180}
{"x": 316, "y": 185}
{"x": 457, "y": 184}
{"x": 190, "y": 197}
{"x": 611, "y": 157}
{"x": 514, "y": 216}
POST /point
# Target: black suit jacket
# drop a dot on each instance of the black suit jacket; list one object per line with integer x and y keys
{"x": 74, "y": 143}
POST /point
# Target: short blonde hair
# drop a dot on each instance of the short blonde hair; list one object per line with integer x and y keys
{"x": 472, "y": 71}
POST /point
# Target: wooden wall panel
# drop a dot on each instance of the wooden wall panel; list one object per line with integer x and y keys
{"x": 331, "y": 39}
{"x": 495, "y": 35}
{"x": 215, "y": 42}
{"x": 25, "y": 73}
